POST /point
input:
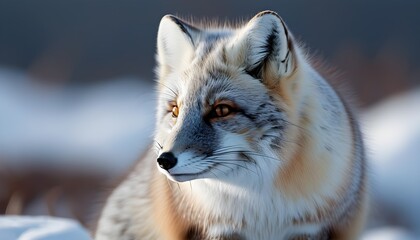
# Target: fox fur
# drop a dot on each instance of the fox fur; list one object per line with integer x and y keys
{"x": 261, "y": 145}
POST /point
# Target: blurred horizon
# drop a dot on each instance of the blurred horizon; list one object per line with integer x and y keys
{"x": 78, "y": 42}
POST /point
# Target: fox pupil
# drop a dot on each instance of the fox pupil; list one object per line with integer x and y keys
{"x": 222, "y": 110}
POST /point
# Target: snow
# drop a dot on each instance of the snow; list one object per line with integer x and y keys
{"x": 392, "y": 133}
{"x": 389, "y": 233}
{"x": 41, "y": 228}
{"x": 103, "y": 127}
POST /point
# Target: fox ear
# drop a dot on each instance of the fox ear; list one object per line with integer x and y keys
{"x": 264, "y": 47}
{"x": 175, "y": 43}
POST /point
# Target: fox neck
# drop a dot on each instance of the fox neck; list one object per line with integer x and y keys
{"x": 217, "y": 207}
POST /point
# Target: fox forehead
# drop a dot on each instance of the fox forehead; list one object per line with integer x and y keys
{"x": 210, "y": 84}
{"x": 209, "y": 78}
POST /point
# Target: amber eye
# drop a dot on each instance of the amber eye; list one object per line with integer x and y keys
{"x": 222, "y": 110}
{"x": 175, "y": 111}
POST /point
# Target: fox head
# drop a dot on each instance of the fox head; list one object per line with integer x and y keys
{"x": 227, "y": 99}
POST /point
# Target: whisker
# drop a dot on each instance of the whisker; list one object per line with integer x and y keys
{"x": 239, "y": 166}
{"x": 169, "y": 183}
{"x": 246, "y": 152}
{"x": 283, "y": 140}
{"x": 206, "y": 169}
{"x": 220, "y": 170}
{"x": 158, "y": 144}
{"x": 225, "y": 148}
{"x": 233, "y": 162}
{"x": 170, "y": 89}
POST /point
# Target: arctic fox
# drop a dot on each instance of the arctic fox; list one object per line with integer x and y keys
{"x": 251, "y": 143}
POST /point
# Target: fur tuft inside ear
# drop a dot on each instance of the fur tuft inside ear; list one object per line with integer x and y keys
{"x": 175, "y": 44}
{"x": 264, "y": 46}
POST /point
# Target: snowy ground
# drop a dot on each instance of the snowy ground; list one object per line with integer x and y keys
{"x": 105, "y": 127}
{"x": 40, "y": 228}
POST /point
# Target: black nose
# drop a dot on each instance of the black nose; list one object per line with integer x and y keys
{"x": 167, "y": 160}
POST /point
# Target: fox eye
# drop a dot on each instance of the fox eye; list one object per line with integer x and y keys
{"x": 175, "y": 111}
{"x": 221, "y": 110}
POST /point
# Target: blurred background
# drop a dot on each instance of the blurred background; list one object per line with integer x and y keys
{"x": 77, "y": 98}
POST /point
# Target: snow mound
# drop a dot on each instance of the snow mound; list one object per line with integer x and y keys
{"x": 389, "y": 233}
{"x": 40, "y": 228}
{"x": 392, "y": 133}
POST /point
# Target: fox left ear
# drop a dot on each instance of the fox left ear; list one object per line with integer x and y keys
{"x": 264, "y": 47}
{"x": 175, "y": 43}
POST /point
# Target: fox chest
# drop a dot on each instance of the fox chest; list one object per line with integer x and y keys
{"x": 257, "y": 225}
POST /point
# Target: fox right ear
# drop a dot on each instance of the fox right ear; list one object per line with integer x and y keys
{"x": 175, "y": 44}
{"x": 264, "y": 48}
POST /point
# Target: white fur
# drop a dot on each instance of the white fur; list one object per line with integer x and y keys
{"x": 175, "y": 49}
{"x": 251, "y": 39}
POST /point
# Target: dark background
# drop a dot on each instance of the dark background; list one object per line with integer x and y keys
{"x": 375, "y": 43}
{"x": 87, "y": 44}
